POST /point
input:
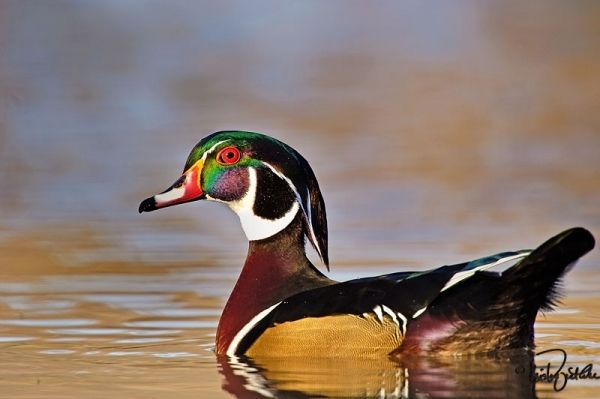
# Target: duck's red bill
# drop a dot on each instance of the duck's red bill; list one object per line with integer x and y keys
{"x": 185, "y": 189}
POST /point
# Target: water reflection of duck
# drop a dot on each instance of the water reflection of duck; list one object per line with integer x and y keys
{"x": 478, "y": 376}
{"x": 283, "y": 306}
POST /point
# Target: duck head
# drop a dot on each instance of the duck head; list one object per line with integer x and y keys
{"x": 264, "y": 181}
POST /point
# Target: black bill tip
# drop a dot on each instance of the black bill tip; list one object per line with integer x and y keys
{"x": 147, "y": 205}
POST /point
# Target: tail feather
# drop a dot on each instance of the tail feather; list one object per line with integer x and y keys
{"x": 492, "y": 312}
{"x": 540, "y": 273}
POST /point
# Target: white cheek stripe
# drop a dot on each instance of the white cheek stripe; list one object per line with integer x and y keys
{"x": 246, "y": 329}
{"x": 307, "y": 212}
{"x": 256, "y": 227}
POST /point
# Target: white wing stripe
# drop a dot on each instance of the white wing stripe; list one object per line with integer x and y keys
{"x": 460, "y": 276}
{"x": 418, "y": 312}
{"x": 404, "y": 322}
{"x": 379, "y": 313}
{"x": 391, "y": 313}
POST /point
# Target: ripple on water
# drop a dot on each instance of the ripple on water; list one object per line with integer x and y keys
{"x": 16, "y": 339}
{"x": 48, "y": 322}
{"x": 173, "y": 324}
{"x": 182, "y": 312}
{"x": 142, "y": 340}
{"x": 568, "y": 326}
{"x": 65, "y": 339}
{"x": 111, "y": 331}
{"x": 578, "y": 342}
{"x": 127, "y": 353}
{"x": 175, "y": 354}
{"x": 57, "y": 351}
{"x": 149, "y": 299}
{"x": 28, "y": 303}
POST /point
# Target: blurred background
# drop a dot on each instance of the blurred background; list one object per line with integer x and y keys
{"x": 461, "y": 124}
{"x": 439, "y": 132}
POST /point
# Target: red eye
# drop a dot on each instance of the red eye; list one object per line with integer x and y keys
{"x": 228, "y": 156}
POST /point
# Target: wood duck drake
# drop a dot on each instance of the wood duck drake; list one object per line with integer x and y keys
{"x": 282, "y": 305}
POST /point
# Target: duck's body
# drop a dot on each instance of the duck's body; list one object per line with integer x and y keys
{"x": 282, "y": 305}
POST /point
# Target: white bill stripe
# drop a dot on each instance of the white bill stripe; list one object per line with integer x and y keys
{"x": 171, "y": 195}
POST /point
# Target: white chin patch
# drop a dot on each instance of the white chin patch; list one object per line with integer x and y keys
{"x": 256, "y": 227}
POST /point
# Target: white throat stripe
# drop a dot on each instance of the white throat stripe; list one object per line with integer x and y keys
{"x": 256, "y": 227}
